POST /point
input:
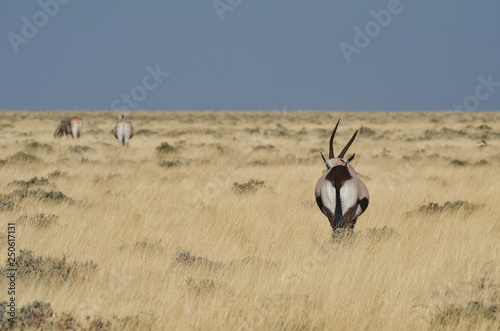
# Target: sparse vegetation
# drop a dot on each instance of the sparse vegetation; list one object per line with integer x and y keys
{"x": 36, "y": 146}
{"x": 144, "y": 246}
{"x": 146, "y": 132}
{"x": 38, "y": 194}
{"x": 459, "y": 163}
{"x": 185, "y": 258}
{"x": 280, "y": 130}
{"x": 22, "y": 157}
{"x": 470, "y": 314}
{"x": 6, "y": 205}
{"x": 38, "y": 220}
{"x": 483, "y": 309}
{"x": 263, "y": 147}
{"x": 250, "y": 186}
{"x": 451, "y": 206}
{"x": 53, "y": 270}
{"x": 78, "y": 149}
{"x": 381, "y": 234}
{"x": 30, "y": 183}
{"x": 366, "y": 132}
{"x": 55, "y": 174}
{"x": 159, "y": 237}
{"x": 170, "y": 164}
{"x": 165, "y": 148}
{"x": 38, "y": 315}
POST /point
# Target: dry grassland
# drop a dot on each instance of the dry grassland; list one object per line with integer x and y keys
{"x": 159, "y": 236}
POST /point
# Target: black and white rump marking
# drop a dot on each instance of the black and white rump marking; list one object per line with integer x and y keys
{"x": 69, "y": 126}
{"x": 124, "y": 131}
{"x": 340, "y": 194}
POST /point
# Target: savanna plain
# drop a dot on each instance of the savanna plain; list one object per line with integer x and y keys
{"x": 208, "y": 221}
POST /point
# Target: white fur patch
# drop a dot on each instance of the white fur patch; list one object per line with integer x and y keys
{"x": 348, "y": 195}
{"x": 328, "y": 196}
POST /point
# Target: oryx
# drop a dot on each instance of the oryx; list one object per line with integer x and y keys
{"x": 124, "y": 131}
{"x": 69, "y": 126}
{"x": 340, "y": 194}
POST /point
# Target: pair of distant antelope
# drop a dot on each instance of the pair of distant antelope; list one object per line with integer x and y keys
{"x": 124, "y": 131}
{"x": 340, "y": 194}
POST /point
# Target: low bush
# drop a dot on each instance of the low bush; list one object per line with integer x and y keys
{"x": 146, "y": 132}
{"x": 38, "y": 315}
{"x": 433, "y": 207}
{"x": 49, "y": 268}
{"x": 38, "y": 194}
{"x": 21, "y": 157}
{"x": 79, "y": 149}
{"x": 165, "y": 148}
{"x": 38, "y": 220}
{"x": 29, "y": 183}
{"x": 36, "y": 146}
{"x": 250, "y": 186}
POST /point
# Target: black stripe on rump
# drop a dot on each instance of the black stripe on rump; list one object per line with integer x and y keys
{"x": 338, "y": 175}
{"x": 363, "y": 203}
{"x": 320, "y": 203}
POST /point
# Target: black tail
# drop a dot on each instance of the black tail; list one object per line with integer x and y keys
{"x": 337, "y": 218}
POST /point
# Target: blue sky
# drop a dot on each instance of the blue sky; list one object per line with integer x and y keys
{"x": 250, "y": 55}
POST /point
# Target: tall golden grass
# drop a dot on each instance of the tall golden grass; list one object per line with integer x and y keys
{"x": 176, "y": 246}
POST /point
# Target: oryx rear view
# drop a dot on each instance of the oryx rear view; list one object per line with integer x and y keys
{"x": 340, "y": 194}
{"x": 69, "y": 126}
{"x": 124, "y": 131}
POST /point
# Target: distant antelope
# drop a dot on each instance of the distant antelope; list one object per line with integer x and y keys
{"x": 124, "y": 131}
{"x": 340, "y": 194}
{"x": 69, "y": 126}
